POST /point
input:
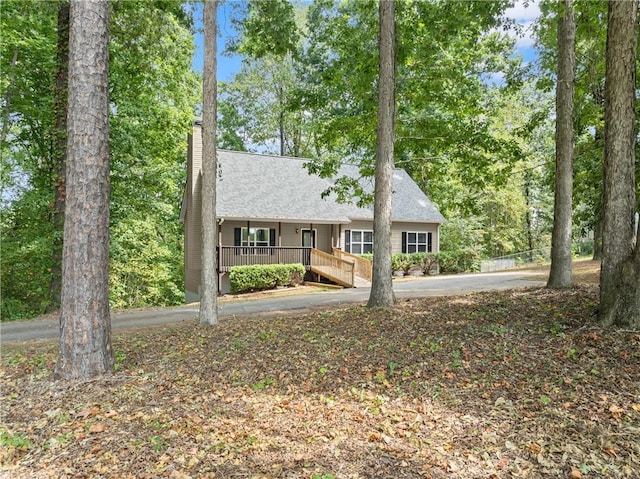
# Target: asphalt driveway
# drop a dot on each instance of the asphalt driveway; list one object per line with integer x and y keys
{"x": 47, "y": 329}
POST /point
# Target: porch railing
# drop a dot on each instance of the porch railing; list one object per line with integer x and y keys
{"x": 229, "y": 256}
{"x": 364, "y": 267}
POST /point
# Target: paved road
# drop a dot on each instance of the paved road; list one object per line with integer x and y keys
{"x": 42, "y": 329}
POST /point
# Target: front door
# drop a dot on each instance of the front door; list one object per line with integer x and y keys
{"x": 309, "y": 238}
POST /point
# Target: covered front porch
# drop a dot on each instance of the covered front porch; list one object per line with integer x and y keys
{"x": 342, "y": 268}
{"x": 317, "y": 246}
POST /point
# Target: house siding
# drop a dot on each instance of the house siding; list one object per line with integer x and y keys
{"x": 398, "y": 228}
{"x": 285, "y": 233}
{"x": 359, "y": 225}
{"x": 396, "y": 232}
{"x": 192, "y": 219}
{"x": 259, "y": 189}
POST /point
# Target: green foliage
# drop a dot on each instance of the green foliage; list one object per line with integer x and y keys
{"x": 445, "y": 51}
{"x": 145, "y": 264}
{"x": 268, "y": 28}
{"x": 260, "y": 277}
{"x": 464, "y": 261}
{"x": 19, "y": 441}
{"x": 404, "y": 262}
{"x": 401, "y": 262}
{"x": 255, "y": 109}
{"x": 262, "y": 384}
{"x": 26, "y": 242}
{"x": 259, "y": 109}
{"x": 461, "y": 246}
{"x": 153, "y": 92}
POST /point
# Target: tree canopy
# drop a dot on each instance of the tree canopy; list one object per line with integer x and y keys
{"x": 153, "y": 93}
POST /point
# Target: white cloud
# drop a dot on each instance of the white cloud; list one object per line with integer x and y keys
{"x": 524, "y": 12}
{"x": 525, "y": 39}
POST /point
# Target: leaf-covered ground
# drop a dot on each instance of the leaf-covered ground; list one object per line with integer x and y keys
{"x": 498, "y": 385}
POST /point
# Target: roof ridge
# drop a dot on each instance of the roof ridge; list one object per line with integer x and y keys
{"x": 269, "y": 155}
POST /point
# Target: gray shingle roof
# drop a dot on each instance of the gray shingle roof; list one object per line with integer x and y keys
{"x": 281, "y": 189}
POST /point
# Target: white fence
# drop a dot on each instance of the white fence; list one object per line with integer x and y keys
{"x": 535, "y": 256}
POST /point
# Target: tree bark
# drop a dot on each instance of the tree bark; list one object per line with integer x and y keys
{"x": 528, "y": 216}
{"x": 85, "y": 325}
{"x": 281, "y": 107}
{"x": 382, "y": 286}
{"x": 560, "y": 274}
{"x": 597, "y": 239}
{"x": 209, "y": 278}
{"x": 620, "y": 270}
{"x": 59, "y": 154}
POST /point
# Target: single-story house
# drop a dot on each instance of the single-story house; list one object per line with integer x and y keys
{"x": 270, "y": 210}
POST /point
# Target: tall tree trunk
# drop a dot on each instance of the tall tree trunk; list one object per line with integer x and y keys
{"x": 599, "y": 144}
{"x": 85, "y": 324}
{"x": 281, "y": 107}
{"x": 209, "y": 279}
{"x": 560, "y": 274}
{"x": 382, "y": 286}
{"x": 620, "y": 270}
{"x": 527, "y": 196}
{"x": 597, "y": 238}
{"x": 59, "y": 153}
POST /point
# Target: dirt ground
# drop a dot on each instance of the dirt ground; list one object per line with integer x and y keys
{"x": 585, "y": 271}
{"x": 510, "y": 384}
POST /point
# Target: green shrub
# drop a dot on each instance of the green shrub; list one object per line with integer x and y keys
{"x": 460, "y": 245}
{"x": 401, "y": 262}
{"x": 259, "y": 277}
{"x": 429, "y": 263}
{"x": 459, "y": 261}
{"x": 584, "y": 248}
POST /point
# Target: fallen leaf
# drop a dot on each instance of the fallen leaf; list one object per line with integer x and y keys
{"x": 85, "y": 413}
{"x": 535, "y": 447}
{"x": 616, "y": 411}
{"x": 575, "y": 473}
{"x": 97, "y": 428}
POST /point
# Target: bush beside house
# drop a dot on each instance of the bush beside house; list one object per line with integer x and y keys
{"x": 429, "y": 263}
{"x": 406, "y": 262}
{"x": 259, "y": 277}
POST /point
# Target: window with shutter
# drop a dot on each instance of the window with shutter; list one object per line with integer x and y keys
{"x": 416, "y": 242}
{"x": 359, "y": 241}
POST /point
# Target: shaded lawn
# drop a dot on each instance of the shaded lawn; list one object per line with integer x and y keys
{"x": 504, "y": 384}
{"x": 584, "y": 271}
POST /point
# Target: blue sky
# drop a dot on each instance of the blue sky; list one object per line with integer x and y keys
{"x": 227, "y": 66}
{"x": 525, "y": 16}
{"x": 524, "y": 13}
